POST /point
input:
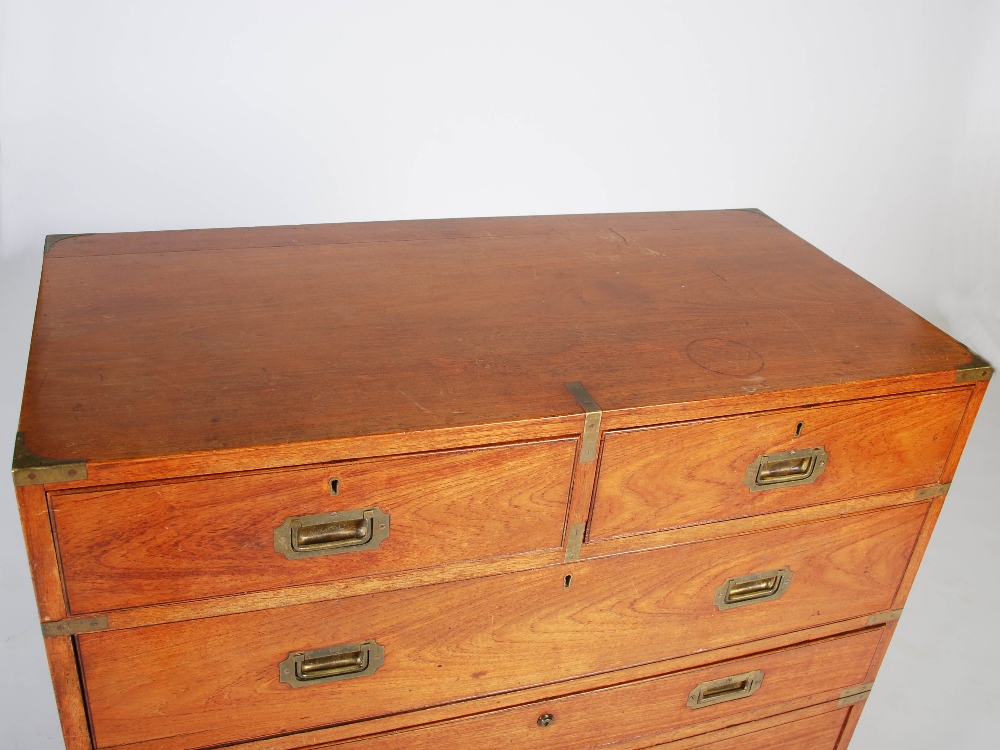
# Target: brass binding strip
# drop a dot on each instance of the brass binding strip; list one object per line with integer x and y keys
{"x": 925, "y": 493}
{"x": 575, "y": 543}
{"x": 880, "y": 617}
{"x": 28, "y": 468}
{"x": 592, "y": 423}
{"x": 854, "y": 694}
{"x": 977, "y": 369}
{"x": 72, "y": 627}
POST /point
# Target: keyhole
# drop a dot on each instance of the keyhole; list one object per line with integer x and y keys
{"x": 567, "y": 581}
{"x": 798, "y": 429}
{"x": 334, "y": 486}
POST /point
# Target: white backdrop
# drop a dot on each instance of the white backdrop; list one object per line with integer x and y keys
{"x": 872, "y": 129}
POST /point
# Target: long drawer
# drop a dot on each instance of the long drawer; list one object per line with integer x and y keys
{"x": 819, "y": 732}
{"x": 221, "y": 680}
{"x": 189, "y": 540}
{"x": 677, "y": 475}
{"x": 647, "y": 708}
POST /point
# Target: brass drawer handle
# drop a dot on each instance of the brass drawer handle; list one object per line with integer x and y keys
{"x": 331, "y": 533}
{"x": 788, "y": 469}
{"x": 303, "y": 668}
{"x": 727, "y": 689}
{"x": 753, "y": 588}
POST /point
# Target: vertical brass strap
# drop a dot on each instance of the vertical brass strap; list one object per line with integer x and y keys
{"x": 592, "y": 423}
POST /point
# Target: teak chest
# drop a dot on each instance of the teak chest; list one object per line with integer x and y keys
{"x": 650, "y": 480}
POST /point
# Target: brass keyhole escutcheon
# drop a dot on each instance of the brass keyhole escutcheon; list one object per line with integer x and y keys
{"x": 545, "y": 720}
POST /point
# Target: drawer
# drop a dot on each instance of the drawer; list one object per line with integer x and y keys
{"x": 819, "y": 732}
{"x": 217, "y": 680}
{"x": 681, "y": 474}
{"x": 188, "y": 540}
{"x": 651, "y": 707}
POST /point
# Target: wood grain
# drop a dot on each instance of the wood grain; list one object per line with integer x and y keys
{"x": 69, "y": 695}
{"x": 151, "y": 346}
{"x": 189, "y": 540}
{"x": 850, "y": 724}
{"x": 43, "y": 560}
{"x": 328, "y": 735}
{"x": 676, "y": 475}
{"x": 215, "y": 680}
{"x": 933, "y": 513}
{"x": 595, "y": 718}
{"x": 816, "y": 733}
{"x": 975, "y": 401}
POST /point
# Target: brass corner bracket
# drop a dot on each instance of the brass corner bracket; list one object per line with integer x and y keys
{"x": 28, "y": 468}
{"x": 51, "y": 239}
{"x": 977, "y": 369}
{"x": 592, "y": 421}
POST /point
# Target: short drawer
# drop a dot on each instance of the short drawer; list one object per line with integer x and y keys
{"x": 682, "y": 474}
{"x": 189, "y": 540}
{"x": 657, "y": 706}
{"x": 220, "y": 679}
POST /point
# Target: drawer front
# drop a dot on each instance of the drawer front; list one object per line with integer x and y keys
{"x": 677, "y": 475}
{"x": 815, "y": 733}
{"x": 649, "y": 707}
{"x": 217, "y": 680}
{"x": 188, "y": 540}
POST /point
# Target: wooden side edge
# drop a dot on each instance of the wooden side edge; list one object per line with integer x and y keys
{"x": 42, "y": 556}
{"x": 69, "y": 692}
{"x": 964, "y": 428}
{"x": 917, "y": 555}
{"x": 880, "y": 651}
{"x": 850, "y": 725}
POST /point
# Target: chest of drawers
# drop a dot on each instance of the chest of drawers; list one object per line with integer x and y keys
{"x": 639, "y": 480}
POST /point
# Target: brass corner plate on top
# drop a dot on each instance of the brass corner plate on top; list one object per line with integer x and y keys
{"x": 773, "y": 471}
{"x": 977, "y": 369}
{"x": 51, "y": 239}
{"x": 28, "y": 469}
{"x": 592, "y": 422}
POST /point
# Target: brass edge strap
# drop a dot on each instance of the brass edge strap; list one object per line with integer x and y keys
{"x": 977, "y": 369}
{"x": 27, "y": 468}
{"x": 925, "y": 493}
{"x": 72, "y": 627}
{"x": 880, "y": 617}
{"x": 854, "y": 694}
{"x": 575, "y": 542}
{"x": 592, "y": 423}
{"x": 51, "y": 239}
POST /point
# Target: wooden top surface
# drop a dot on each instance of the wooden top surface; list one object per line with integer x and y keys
{"x": 166, "y": 343}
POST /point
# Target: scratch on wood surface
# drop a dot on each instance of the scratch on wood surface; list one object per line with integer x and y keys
{"x": 414, "y": 401}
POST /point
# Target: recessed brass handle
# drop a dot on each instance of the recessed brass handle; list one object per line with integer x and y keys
{"x": 753, "y": 588}
{"x": 726, "y": 689}
{"x": 303, "y": 668}
{"x": 774, "y": 470}
{"x": 331, "y": 533}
